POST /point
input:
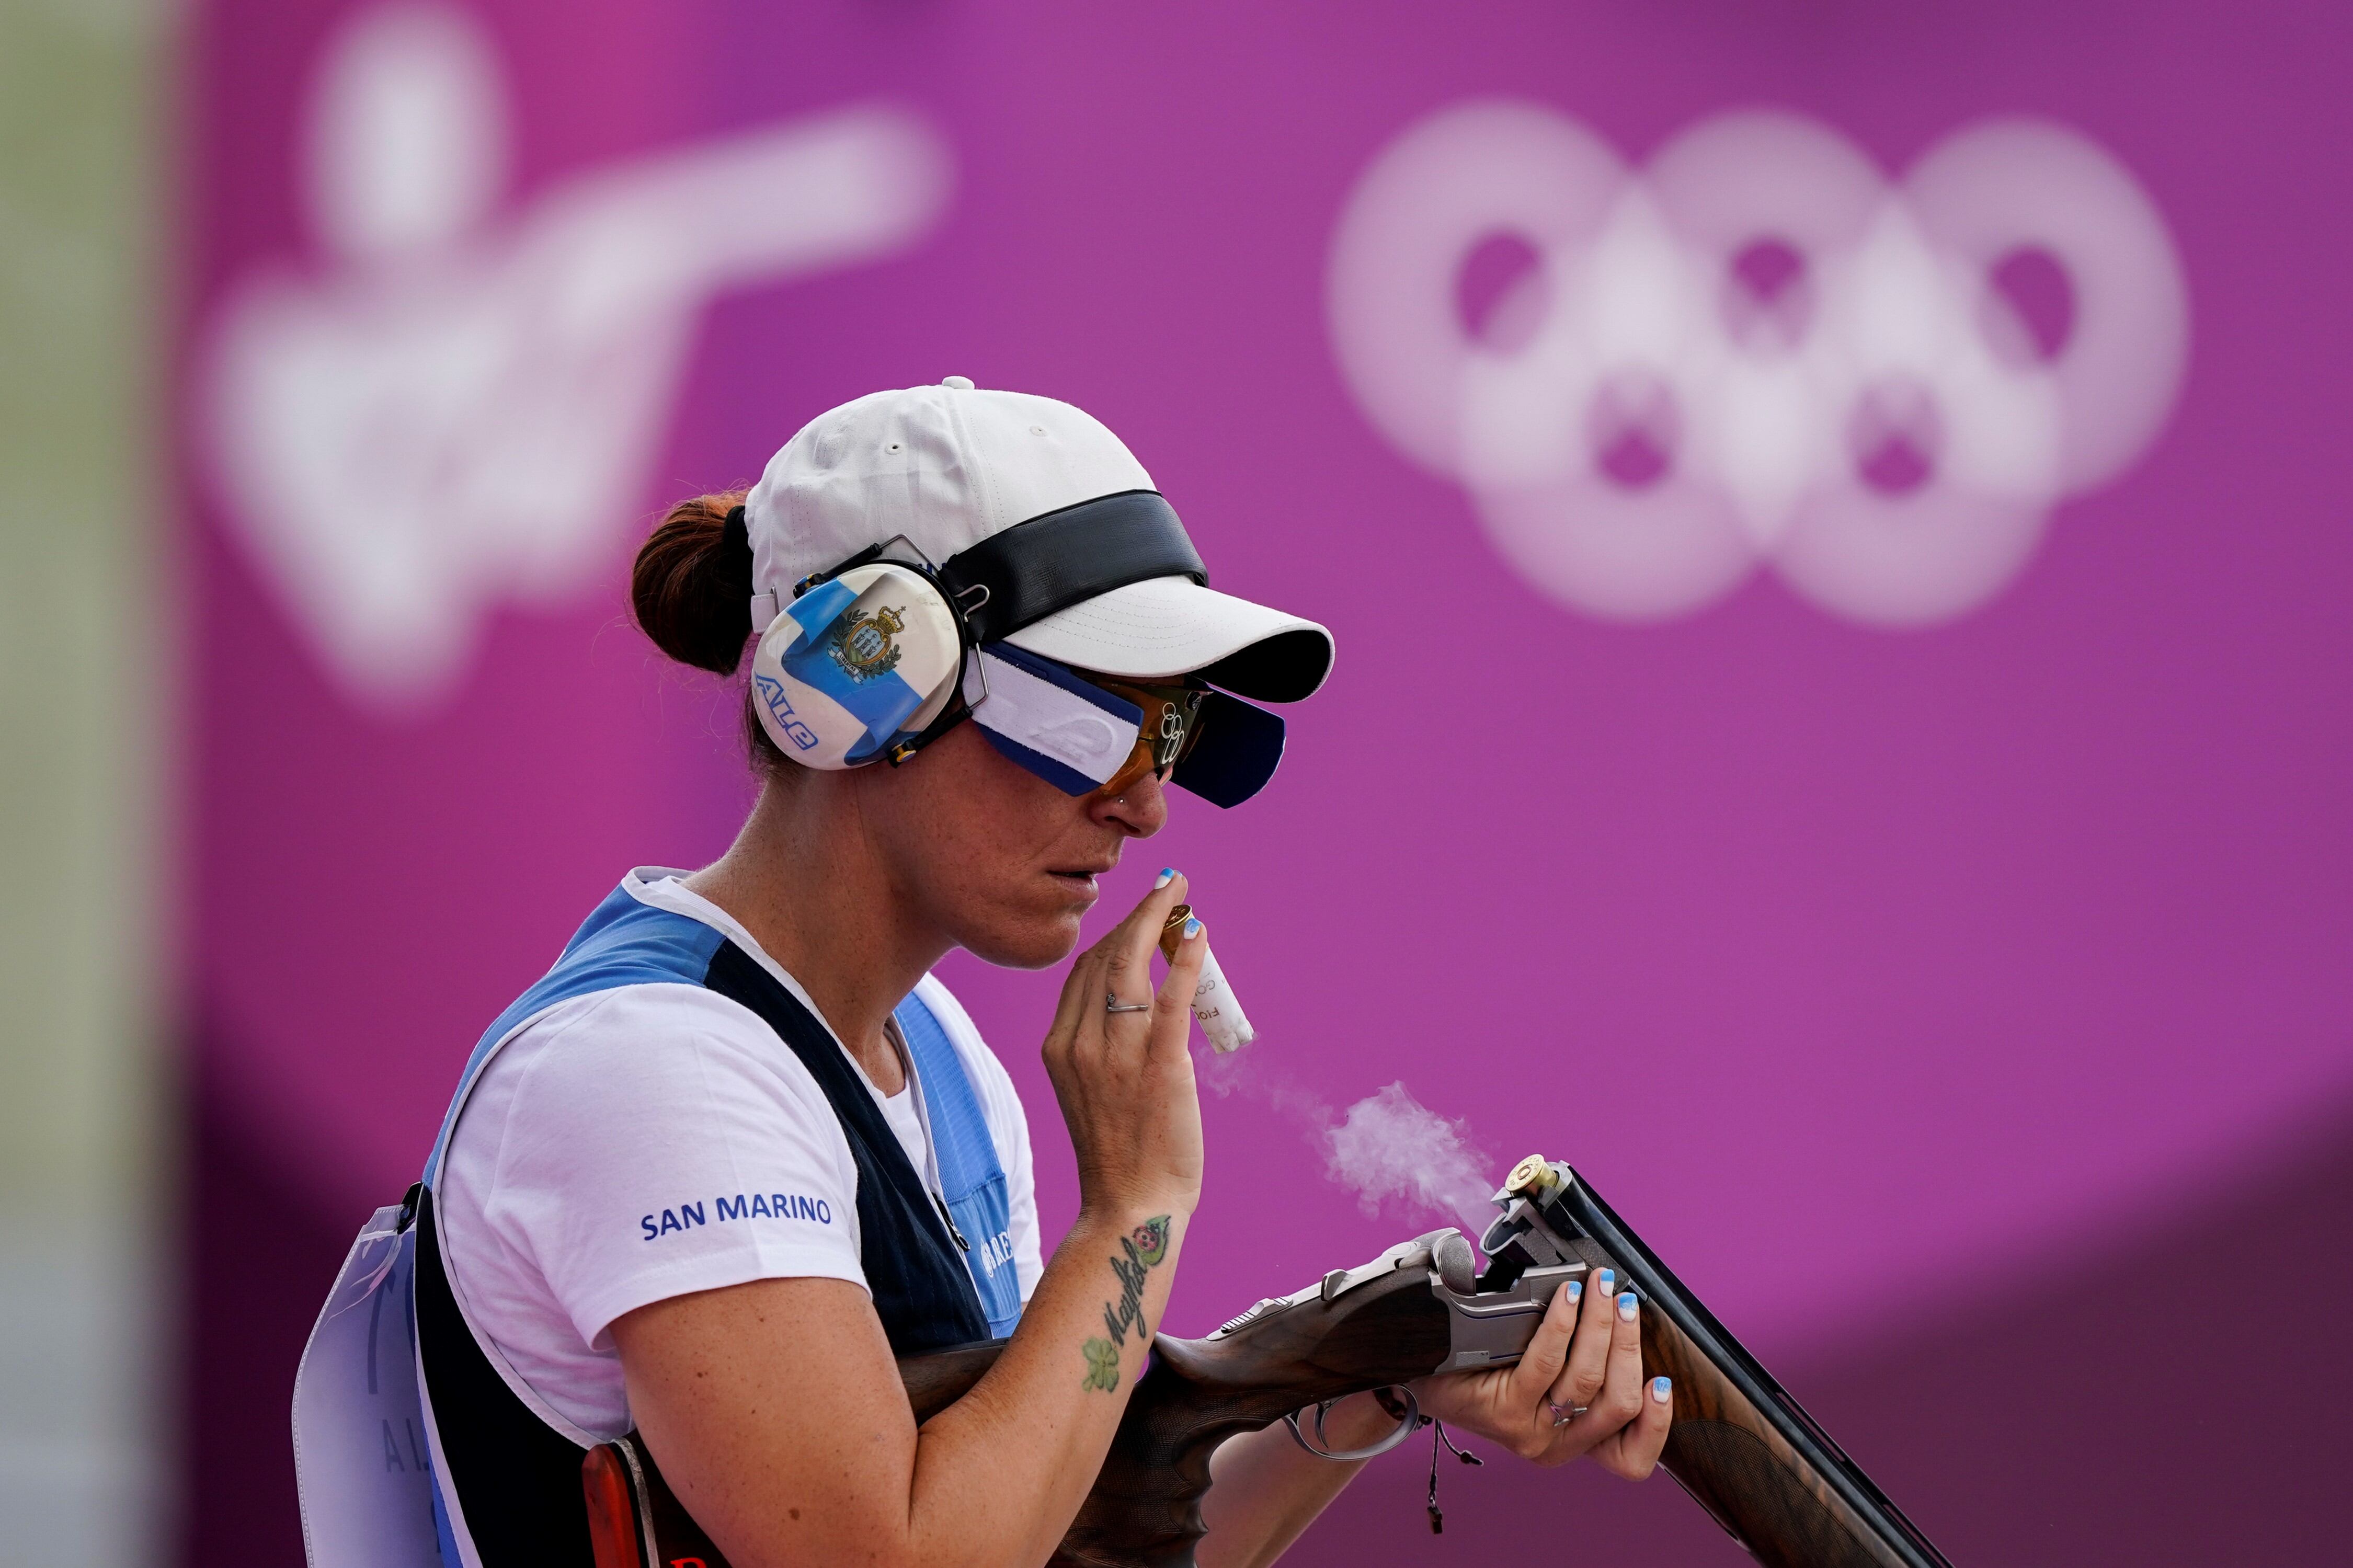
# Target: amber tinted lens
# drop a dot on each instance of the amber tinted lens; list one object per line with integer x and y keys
{"x": 1138, "y": 763}
{"x": 1170, "y": 712}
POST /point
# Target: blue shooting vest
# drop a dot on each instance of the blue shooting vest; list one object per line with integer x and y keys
{"x": 400, "y": 1408}
{"x": 972, "y": 1181}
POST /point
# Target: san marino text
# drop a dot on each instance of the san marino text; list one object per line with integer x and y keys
{"x": 759, "y": 1206}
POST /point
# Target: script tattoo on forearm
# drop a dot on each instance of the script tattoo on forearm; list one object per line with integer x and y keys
{"x": 1142, "y": 1250}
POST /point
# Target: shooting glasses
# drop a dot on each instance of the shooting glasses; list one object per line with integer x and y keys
{"x": 1088, "y": 733}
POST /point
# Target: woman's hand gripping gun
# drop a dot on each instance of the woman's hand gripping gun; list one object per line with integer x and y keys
{"x": 1739, "y": 1444}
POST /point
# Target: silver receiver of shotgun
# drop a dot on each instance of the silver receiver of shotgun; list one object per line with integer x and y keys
{"x": 1492, "y": 1328}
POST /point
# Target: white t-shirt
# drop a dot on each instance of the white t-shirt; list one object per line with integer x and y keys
{"x": 584, "y": 1177}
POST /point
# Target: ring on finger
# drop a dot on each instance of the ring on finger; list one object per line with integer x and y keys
{"x": 1562, "y": 1414}
{"x": 1114, "y": 1004}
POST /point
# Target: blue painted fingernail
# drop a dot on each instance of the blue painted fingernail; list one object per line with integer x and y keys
{"x": 1663, "y": 1389}
{"x": 1575, "y": 1289}
{"x": 1167, "y": 874}
{"x": 1192, "y": 928}
{"x": 1607, "y": 1279}
{"x": 1626, "y": 1306}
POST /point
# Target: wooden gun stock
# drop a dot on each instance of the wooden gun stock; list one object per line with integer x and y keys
{"x": 1739, "y": 1445}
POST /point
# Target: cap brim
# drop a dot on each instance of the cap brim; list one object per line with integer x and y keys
{"x": 1172, "y": 625}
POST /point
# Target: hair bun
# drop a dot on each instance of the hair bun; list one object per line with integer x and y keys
{"x": 691, "y": 586}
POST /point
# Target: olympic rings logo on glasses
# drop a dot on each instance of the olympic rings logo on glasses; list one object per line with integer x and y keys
{"x": 1756, "y": 348}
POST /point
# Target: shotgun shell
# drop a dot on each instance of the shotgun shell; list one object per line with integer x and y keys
{"x": 1532, "y": 1177}
{"x": 1213, "y": 1000}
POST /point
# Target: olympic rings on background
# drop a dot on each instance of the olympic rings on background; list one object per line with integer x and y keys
{"x": 1756, "y": 348}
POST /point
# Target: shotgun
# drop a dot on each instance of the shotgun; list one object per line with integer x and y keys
{"x": 1740, "y": 1446}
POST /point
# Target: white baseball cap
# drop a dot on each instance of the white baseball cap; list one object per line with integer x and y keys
{"x": 1103, "y": 577}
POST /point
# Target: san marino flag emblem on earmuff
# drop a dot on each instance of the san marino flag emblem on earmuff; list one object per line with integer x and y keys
{"x": 855, "y": 662}
{"x": 861, "y": 645}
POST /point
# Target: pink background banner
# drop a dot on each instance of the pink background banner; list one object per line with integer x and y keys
{"x": 1878, "y": 951}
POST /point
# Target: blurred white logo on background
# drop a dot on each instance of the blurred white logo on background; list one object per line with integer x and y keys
{"x": 463, "y": 406}
{"x": 1754, "y": 349}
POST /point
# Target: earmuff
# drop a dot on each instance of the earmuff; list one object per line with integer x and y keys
{"x": 861, "y": 666}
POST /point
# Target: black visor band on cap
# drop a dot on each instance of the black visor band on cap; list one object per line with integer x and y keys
{"x": 1058, "y": 559}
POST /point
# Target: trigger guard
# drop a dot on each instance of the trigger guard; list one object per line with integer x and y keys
{"x": 1406, "y": 1428}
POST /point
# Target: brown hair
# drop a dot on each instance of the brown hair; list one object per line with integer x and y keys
{"x": 691, "y": 593}
{"x": 691, "y": 587}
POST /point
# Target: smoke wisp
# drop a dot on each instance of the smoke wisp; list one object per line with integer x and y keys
{"x": 1391, "y": 1150}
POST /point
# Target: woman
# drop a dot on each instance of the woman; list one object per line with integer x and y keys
{"x": 738, "y": 1150}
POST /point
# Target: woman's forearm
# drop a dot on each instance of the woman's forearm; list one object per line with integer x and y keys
{"x": 999, "y": 1475}
{"x": 1266, "y": 1489}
